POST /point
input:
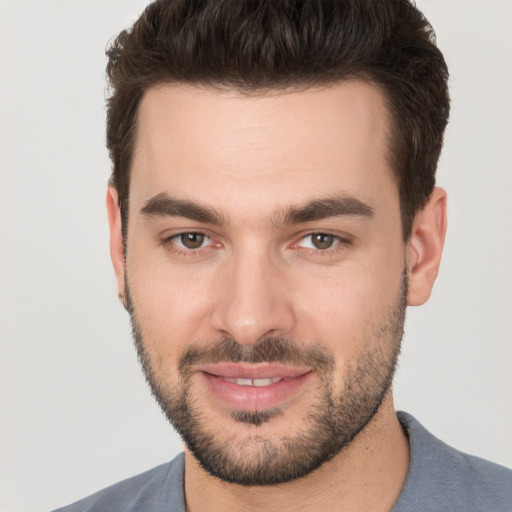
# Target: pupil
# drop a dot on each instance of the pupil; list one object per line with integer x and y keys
{"x": 192, "y": 240}
{"x": 322, "y": 241}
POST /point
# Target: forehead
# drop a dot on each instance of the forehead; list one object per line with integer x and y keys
{"x": 203, "y": 143}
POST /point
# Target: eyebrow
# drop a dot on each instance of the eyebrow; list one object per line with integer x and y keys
{"x": 319, "y": 209}
{"x": 162, "y": 205}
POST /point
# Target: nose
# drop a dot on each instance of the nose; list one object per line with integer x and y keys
{"x": 254, "y": 301}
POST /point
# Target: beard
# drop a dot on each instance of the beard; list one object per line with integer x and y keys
{"x": 331, "y": 423}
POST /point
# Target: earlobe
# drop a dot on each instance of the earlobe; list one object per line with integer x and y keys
{"x": 425, "y": 247}
{"x": 116, "y": 239}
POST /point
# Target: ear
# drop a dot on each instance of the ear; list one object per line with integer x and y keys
{"x": 116, "y": 239}
{"x": 424, "y": 248}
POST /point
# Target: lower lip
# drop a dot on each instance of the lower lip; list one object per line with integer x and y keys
{"x": 254, "y": 398}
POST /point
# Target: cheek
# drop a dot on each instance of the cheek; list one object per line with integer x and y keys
{"x": 171, "y": 306}
{"x": 342, "y": 310}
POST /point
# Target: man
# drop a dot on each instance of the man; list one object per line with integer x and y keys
{"x": 273, "y": 211}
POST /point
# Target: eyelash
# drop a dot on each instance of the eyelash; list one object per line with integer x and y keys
{"x": 340, "y": 243}
{"x": 170, "y": 244}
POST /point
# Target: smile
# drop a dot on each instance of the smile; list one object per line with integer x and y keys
{"x": 251, "y": 387}
{"x": 254, "y": 382}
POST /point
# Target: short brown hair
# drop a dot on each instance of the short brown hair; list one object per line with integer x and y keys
{"x": 260, "y": 45}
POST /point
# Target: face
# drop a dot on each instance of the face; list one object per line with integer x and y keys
{"x": 265, "y": 271}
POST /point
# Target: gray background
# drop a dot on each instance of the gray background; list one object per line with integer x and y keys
{"x": 75, "y": 412}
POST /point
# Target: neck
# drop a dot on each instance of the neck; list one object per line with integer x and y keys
{"x": 368, "y": 474}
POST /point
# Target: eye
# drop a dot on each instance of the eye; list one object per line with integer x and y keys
{"x": 319, "y": 241}
{"x": 191, "y": 240}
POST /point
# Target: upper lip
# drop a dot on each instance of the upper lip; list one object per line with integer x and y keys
{"x": 252, "y": 370}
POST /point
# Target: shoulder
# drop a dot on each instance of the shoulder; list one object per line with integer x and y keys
{"x": 160, "y": 488}
{"x": 443, "y": 478}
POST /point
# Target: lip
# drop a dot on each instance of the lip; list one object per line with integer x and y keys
{"x": 253, "y": 370}
{"x": 252, "y": 398}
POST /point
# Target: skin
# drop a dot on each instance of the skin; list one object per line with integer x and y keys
{"x": 251, "y": 159}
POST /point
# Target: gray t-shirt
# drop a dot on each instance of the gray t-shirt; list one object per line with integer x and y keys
{"x": 440, "y": 479}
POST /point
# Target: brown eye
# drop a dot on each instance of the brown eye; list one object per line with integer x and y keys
{"x": 322, "y": 240}
{"x": 192, "y": 240}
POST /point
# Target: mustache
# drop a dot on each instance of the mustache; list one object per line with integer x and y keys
{"x": 269, "y": 350}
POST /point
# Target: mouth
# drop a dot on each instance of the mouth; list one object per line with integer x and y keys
{"x": 252, "y": 387}
{"x": 254, "y": 382}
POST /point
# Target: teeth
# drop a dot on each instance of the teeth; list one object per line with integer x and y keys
{"x": 253, "y": 382}
{"x": 244, "y": 382}
{"x": 265, "y": 382}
